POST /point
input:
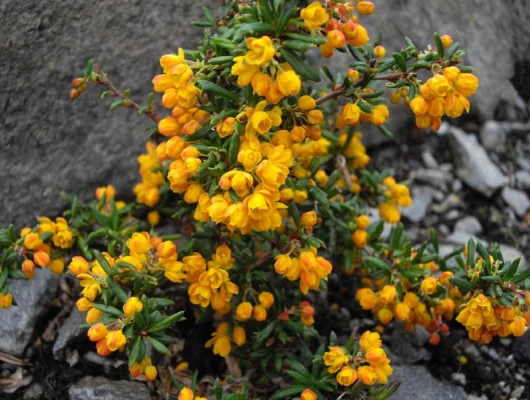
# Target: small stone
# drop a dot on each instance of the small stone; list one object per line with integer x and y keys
{"x": 470, "y": 225}
{"x": 510, "y": 253}
{"x": 522, "y": 179}
{"x": 418, "y": 384}
{"x": 99, "y": 388}
{"x": 34, "y": 392}
{"x": 452, "y": 214}
{"x": 450, "y": 201}
{"x": 69, "y": 331}
{"x": 433, "y": 177}
{"x": 459, "y": 378}
{"x": 429, "y": 160}
{"x": 462, "y": 238}
{"x": 421, "y": 200}
{"x": 474, "y": 166}
{"x": 457, "y": 185}
{"x": 18, "y": 322}
{"x": 517, "y": 393}
{"x": 517, "y": 200}
{"x": 408, "y": 347}
{"x": 471, "y": 350}
{"x": 444, "y": 230}
{"x": 493, "y": 136}
{"x": 506, "y": 342}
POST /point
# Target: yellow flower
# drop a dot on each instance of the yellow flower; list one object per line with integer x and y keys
{"x": 78, "y": 265}
{"x": 306, "y": 103}
{"x": 150, "y": 373}
{"x": 429, "y": 285}
{"x": 308, "y": 394}
{"x": 240, "y": 181}
{"x": 243, "y": 311}
{"x": 6, "y": 300}
{"x": 32, "y": 241}
{"x": 289, "y": 83}
{"x": 388, "y": 294}
{"x": 370, "y": 340}
{"x": 351, "y": 113}
{"x": 116, "y": 340}
{"x": 360, "y": 238}
{"x": 367, "y": 375}
{"x": 249, "y": 158}
{"x": 261, "y": 51}
{"x": 347, "y": 376}
{"x": 132, "y": 305}
{"x": 335, "y": 358}
{"x": 244, "y": 71}
{"x": 139, "y": 243}
{"x": 466, "y": 84}
{"x": 97, "y": 332}
{"x": 314, "y": 15}
{"x": 259, "y": 313}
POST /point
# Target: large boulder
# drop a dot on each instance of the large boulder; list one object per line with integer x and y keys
{"x": 50, "y": 143}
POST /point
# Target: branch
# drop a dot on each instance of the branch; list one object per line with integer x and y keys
{"x": 103, "y": 80}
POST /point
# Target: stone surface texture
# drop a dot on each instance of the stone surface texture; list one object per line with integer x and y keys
{"x": 50, "y": 143}
{"x": 99, "y": 388}
{"x": 17, "y": 323}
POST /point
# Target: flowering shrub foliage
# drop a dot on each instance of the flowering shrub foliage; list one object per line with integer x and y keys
{"x": 268, "y": 182}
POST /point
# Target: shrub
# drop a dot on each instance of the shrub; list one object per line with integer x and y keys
{"x": 263, "y": 184}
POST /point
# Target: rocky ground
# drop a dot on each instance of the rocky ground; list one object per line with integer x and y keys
{"x": 472, "y": 179}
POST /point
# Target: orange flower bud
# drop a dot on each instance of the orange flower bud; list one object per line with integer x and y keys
{"x": 150, "y": 373}
{"x": 28, "y": 268}
{"x": 260, "y": 313}
{"x": 347, "y": 376}
{"x": 83, "y": 304}
{"x": 243, "y": 311}
{"x": 360, "y": 238}
{"x": 266, "y": 299}
{"x": 365, "y": 7}
{"x": 447, "y": 40}
{"x": 308, "y": 394}
{"x": 379, "y": 51}
{"x": 93, "y": 315}
{"x": 309, "y": 219}
{"x": 434, "y": 339}
{"x": 116, "y": 340}
{"x": 186, "y": 394}
{"x": 42, "y": 259}
{"x": 306, "y": 103}
{"x": 367, "y": 375}
{"x": 239, "y": 336}
{"x": 97, "y": 332}
{"x": 153, "y": 217}
{"x": 32, "y": 241}
{"x": 336, "y": 39}
{"x": 102, "y": 348}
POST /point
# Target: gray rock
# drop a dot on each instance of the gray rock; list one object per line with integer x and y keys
{"x": 459, "y": 378}
{"x": 421, "y": 200}
{"x": 521, "y": 348}
{"x": 429, "y": 160}
{"x": 99, "y": 388}
{"x": 409, "y": 347}
{"x": 522, "y": 179}
{"x": 517, "y": 200}
{"x": 450, "y": 201}
{"x": 474, "y": 166}
{"x": 457, "y": 185}
{"x": 493, "y": 136}
{"x": 470, "y": 225}
{"x": 17, "y": 323}
{"x": 433, "y": 177}
{"x": 510, "y": 253}
{"x": 417, "y": 383}
{"x": 34, "y": 392}
{"x": 69, "y": 331}
{"x": 50, "y": 143}
{"x": 452, "y": 214}
{"x": 461, "y": 238}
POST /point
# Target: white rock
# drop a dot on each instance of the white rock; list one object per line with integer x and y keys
{"x": 517, "y": 200}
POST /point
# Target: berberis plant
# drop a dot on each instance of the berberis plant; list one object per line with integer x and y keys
{"x": 261, "y": 184}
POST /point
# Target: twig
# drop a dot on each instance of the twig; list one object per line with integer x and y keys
{"x": 103, "y": 80}
{"x": 341, "y": 162}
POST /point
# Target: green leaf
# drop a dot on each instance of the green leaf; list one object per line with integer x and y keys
{"x": 266, "y": 12}
{"x": 306, "y": 38}
{"x": 301, "y": 67}
{"x": 385, "y": 131}
{"x": 521, "y": 276}
{"x": 233, "y": 149}
{"x": 450, "y": 52}
{"x": 470, "y": 253}
{"x": 102, "y": 261}
{"x": 208, "y": 86}
{"x": 158, "y": 345}
{"x": 400, "y": 61}
{"x": 290, "y": 392}
{"x": 439, "y": 45}
{"x": 295, "y": 213}
{"x": 220, "y": 60}
{"x": 319, "y": 196}
{"x": 88, "y": 70}
{"x": 462, "y": 284}
{"x": 135, "y": 351}
{"x": 208, "y": 15}
{"x": 167, "y": 322}
{"x": 116, "y": 104}
{"x": 109, "y": 310}
{"x": 377, "y": 263}
{"x": 117, "y": 290}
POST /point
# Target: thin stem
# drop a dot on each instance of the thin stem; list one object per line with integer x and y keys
{"x": 103, "y": 80}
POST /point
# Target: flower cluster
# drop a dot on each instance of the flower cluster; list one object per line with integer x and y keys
{"x": 370, "y": 365}
{"x": 308, "y": 267}
{"x": 147, "y": 191}
{"x": 444, "y": 93}
{"x": 485, "y": 318}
